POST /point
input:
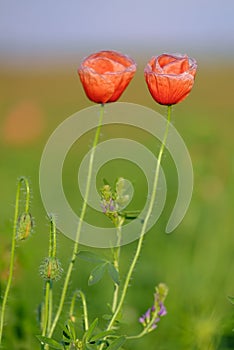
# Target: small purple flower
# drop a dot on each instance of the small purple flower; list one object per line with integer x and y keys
{"x": 148, "y": 315}
{"x": 112, "y": 206}
{"x": 154, "y": 326}
{"x": 142, "y": 320}
{"x": 145, "y": 318}
{"x": 108, "y": 207}
{"x": 104, "y": 208}
{"x": 163, "y": 310}
{"x": 153, "y": 315}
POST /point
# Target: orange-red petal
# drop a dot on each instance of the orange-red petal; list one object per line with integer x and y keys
{"x": 170, "y": 78}
{"x": 105, "y": 75}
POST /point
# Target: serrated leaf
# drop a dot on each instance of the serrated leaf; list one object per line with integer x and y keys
{"x": 102, "y": 335}
{"x": 90, "y": 256}
{"x": 114, "y": 274}
{"x": 89, "y": 333}
{"x": 51, "y": 342}
{"x": 96, "y": 274}
{"x": 231, "y": 299}
{"x": 117, "y": 343}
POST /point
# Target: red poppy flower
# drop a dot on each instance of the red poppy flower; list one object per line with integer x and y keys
{"x": 170, "y": 78}
{"x": 105, "y": 75}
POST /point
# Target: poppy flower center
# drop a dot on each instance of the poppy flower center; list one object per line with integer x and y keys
{"x": 171, "y": 65}
{"x": 102, "y": 65}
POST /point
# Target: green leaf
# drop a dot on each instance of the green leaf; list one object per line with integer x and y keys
{"x": 117, "y": 343}
{"x": 90, "y": 256}
{"x": 114, "y": 274}
{"x": 231, "y": 299}
{"x": 51, "y": 342}
{"x": 89, "y": 333}
{"x": 105, "y": 182}
{"x": 102, "y": 335}
{"x": 69, "y": 331}
{"x": 96, "y": 274}
{"x": 130, "y": 215}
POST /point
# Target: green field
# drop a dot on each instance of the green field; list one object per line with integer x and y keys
{"x": 196, "y": 261}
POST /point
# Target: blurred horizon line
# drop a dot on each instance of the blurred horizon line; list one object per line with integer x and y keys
{"x": 29, "y": 57}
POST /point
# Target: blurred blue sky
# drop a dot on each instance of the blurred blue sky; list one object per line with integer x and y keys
{"x": 45, "y": 28}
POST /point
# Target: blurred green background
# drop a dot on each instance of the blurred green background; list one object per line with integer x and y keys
{"x": 42, "y": 45}
{"x": 196, "y": 260}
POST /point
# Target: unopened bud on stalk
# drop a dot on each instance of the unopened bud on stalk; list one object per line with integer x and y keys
{"x": 51, "y": 269}
{"x": 24, "y": 226}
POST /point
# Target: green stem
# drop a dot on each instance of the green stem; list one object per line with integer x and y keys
{"x": 82, "y": 215}
{"x": 53, "y": 238}
{"x": 50, "y": 311}
{"x": 13, "y": 245}
{"x": 116, "y": 265}
{"x": 72, "y": 306}
{"x": 85, "y": 311}
{"x": 80, "y": 294}
{"x": 144, "y": 226}
{"x": 27, "y": 197}
{"x": 46, "y": 308}
{"x": 136, "y": 336}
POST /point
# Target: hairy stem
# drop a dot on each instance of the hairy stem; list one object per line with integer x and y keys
{"x": 144, "y": 226}
{"x": 46, "y": 307}
{"x": 82, "y": 215}
{"x": 21, "y": 181}
{"x": 116, "y": 255}
{"x": 48, "y": 303}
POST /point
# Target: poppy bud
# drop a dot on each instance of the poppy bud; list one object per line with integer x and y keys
{"x": 51, "y": 269}
{"x": 24, "y": 226}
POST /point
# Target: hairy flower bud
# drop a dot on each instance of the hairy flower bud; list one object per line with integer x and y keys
{"x": 51, "y": 269}
{"x": 24, "y": 226}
